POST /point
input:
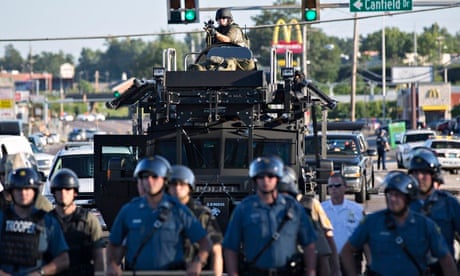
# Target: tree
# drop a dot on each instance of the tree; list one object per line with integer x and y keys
{"x": 397, "y": 44}
{"x": 12, "y": 59}
{"x": 51, "y": 62}
{"x": 324, "y": 57}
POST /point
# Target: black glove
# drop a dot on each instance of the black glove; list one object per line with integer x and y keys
{"x": 211, "y": 31}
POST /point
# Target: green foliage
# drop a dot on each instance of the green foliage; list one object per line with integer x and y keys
{"x": 455, "y": 112}
{"x": 51, "y": 62}
{"x": 12, "y": 59}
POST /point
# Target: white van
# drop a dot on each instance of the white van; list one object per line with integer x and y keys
{"x": 12, "y": 145}
{"x": 15, "y": 144}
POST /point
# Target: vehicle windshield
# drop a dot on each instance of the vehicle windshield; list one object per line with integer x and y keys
{"x": 445, "y": 145}
{"x": 417, "y": 137}
{"x": 205, "y": 153}
{"x": 335, "y": 146}
{"x": 82, "y": 165}
{"x": 35, "y": 149}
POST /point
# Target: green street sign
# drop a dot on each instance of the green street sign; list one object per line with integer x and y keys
{"x": 380, "y": 5}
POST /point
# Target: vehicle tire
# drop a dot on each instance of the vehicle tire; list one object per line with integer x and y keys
{"x": 360, "y": 196}
{"x": 399, "y": 161}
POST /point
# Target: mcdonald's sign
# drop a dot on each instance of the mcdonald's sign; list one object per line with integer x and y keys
{"x": 433, "y": 93}
{"x": 287, "y": 44}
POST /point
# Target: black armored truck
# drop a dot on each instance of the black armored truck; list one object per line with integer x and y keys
{"x": 214, "y": 120}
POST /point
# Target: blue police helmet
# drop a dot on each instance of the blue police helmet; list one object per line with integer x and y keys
{"x": 23, "y": 178}
{"x": 402, "y": 182}
{"x": 424, "y": 159}
{"x": 266, "y": 165}
{"x": 289, "y": 182}
{"x": 183, "y": 174}
{"x": 157, "y": 165}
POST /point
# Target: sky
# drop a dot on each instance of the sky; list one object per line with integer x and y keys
{"x": 27, "y": 19}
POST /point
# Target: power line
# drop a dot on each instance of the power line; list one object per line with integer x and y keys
{"x": 108, "y": 37}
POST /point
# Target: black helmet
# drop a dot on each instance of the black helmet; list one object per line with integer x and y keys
{"x": 157, "y": 165}
{"x": 65, "y": 179}
{"x": 266, "y": 165}
{"x": 224, "y": 12}
{"x": 424, "y": 159}
{"x": 183, "y": 174}
{"x": 402, "y": 182}
{"x": 289, "y": 182}
{"x": 23, "y": 178}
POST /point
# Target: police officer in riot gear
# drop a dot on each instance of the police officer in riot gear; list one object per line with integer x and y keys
{"x": 31, "y": 240}
{"x": 399, "y": 239}
{"x": 269, "y": 226}
{"x": 181, "y": 186}
{"x": 161, "y": 245}
{"x": 439, "y": 205}
{"x": 227, "y": 30}
{"x": 326, "y": 252}
{"x": 82, "y": 229}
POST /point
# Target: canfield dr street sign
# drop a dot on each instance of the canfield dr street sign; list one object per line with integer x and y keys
{"x": 380, "y": 5}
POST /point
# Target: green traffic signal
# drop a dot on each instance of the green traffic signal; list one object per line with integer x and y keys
{"x": 310, "y": 15}
{"x": 190, "y": 15}
{"x": 116, "y": 94}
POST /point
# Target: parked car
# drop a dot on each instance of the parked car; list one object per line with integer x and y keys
{"x": 410, "y": 139}
{"x": 44, "y": 160}
{"x": 447, "y": 149}
{"x": 77, "y": 134}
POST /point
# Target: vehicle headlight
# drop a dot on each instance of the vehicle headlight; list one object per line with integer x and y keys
{"x": 351, "y": 171}
{"x": 44, "y": 163}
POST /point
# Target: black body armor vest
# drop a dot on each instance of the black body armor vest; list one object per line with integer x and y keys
{"x": 78, "y": 237}
{"x": 20, "y": 238}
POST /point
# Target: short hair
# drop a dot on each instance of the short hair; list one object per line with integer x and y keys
{"x": 338, "y": 175}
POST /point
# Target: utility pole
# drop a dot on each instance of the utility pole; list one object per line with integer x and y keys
{"x": 354, "y": 67}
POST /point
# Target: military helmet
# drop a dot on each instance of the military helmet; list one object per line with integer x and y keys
{"x": 157, "y": 165}
{"x": 183, "y": 174}
{"x": 224, "y": 12}
{"x": 266, "y": 165}
{"x": 65, "y": 179}
{"x": 289, "y": 182}
{"x": 402, "y": 182}
{"x": 424, "y": 159}
{"x": 23, "y": 178}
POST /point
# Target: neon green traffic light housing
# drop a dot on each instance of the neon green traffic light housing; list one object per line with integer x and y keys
{"x": 190, "y": 15}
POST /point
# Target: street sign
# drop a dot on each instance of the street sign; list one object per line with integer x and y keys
{"x": 380, "y": 5}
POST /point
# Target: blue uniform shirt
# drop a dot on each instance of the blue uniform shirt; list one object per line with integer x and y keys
{"x": 165, "y": 248}
{"x": 420, "y": 235}
{"x": 444, "y": 209}
{"x": 55, "y": 242}
{"x": 253, "y": 223}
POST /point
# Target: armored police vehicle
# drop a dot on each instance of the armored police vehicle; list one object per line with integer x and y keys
{"x": 215, "y": 117}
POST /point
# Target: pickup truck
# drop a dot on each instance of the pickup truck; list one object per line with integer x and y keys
{"x": 410, "y": 139}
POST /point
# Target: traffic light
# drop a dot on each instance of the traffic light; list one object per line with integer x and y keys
{"x": 310, "y": 10}
{"x": 183, "y": 11}
{"x": 116, "y": 94}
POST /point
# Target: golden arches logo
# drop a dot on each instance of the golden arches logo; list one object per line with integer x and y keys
{"x": 433, "y": 93}
{"x": 281, "y": 45}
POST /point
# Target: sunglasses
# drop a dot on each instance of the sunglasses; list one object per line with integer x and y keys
{"x": 335, "y": 185}
{"x": 269, "y": 175}
{"x": 147, "y": 175}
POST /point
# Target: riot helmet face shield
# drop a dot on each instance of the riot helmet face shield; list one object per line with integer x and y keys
{"x": 23, "y": 184}
{"x": 266, "y": 172}
{"x": 152, "y": 174}
{"x": 400, "y": 189}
